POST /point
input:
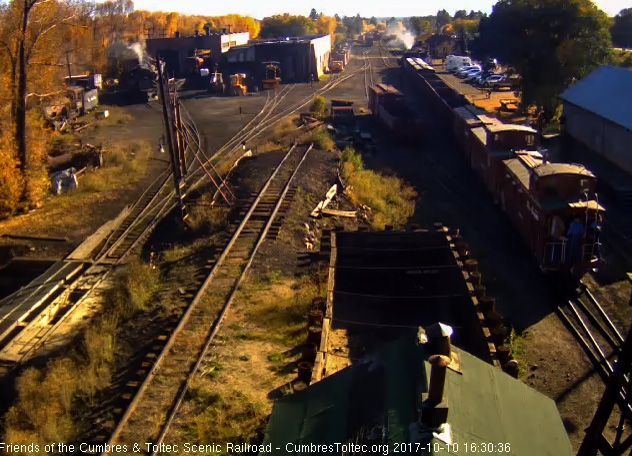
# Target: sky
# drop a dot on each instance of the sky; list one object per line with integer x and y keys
{"x": 397, "y": 8}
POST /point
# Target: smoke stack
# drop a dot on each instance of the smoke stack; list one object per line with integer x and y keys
{"x": 434, "y": 410}
{"x": 177, "y": 35}
{"x": 439, "y": 339}
{"x": 208, "y": 31}
{"x": 439, "y": 365}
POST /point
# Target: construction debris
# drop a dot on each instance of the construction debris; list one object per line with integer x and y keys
{"x": 323, "y": 204}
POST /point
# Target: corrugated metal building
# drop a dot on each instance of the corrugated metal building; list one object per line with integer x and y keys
{"x": 598, "y": 114}
{"x": 299, "y": 57}
{"x": 178, "y": 51}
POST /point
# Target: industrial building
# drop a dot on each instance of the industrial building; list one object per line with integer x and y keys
{"x": 299, "y": 58}
{"x": 184, "y": 54}
{"x": 597, "y": 124}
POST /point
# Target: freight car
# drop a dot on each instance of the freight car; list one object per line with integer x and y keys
{"x": 554, "y": 206}
{"x": 388, "y": 105}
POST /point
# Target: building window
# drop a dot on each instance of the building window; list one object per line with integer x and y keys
{"x": 530, "y": 140}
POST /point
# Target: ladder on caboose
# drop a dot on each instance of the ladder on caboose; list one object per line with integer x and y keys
{"x": 591, "y": 228}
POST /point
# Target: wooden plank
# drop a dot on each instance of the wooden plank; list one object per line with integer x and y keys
{"x": 337, "y": 213}
{"x": 323, "y": 204}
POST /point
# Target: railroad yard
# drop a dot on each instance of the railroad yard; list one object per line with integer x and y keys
{"x": 223, "y": 325}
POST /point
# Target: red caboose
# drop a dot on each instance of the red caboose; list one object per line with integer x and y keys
{"x": 555, "y": 208}
{"x": 494, "y": 142}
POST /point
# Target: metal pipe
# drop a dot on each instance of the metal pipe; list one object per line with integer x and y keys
{"x": 439, "y": 365}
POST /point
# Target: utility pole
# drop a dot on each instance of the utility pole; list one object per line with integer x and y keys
{"x": 68, "y": 64}
{"x": 174, "y": 154}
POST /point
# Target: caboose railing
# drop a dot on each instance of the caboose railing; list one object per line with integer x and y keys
{"x": 555, "y": 253}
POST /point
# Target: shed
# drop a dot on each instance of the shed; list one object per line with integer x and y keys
{"x": 377, "y": 401}
{"x": 597, "y": 113}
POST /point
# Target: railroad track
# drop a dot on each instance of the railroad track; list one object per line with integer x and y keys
{"x": 593, "y": 328}
{"x": 263, "y": 124}
{"x": 164, "y": 375}
{"x": 368, "y": 72}
{"x": 600, "y": 339}
{"x": 385, "y": 56}
{"x": 149, "y": 209}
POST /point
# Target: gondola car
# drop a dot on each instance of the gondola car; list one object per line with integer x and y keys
{"x": 554, "y": 206}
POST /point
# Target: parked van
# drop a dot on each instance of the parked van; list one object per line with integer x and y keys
{"x": 456, "y": 62}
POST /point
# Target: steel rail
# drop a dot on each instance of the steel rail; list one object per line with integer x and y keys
{"x": 194, "y": 303}
{"x": 229, "y": 301}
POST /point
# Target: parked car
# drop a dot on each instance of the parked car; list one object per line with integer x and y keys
{"x": 465, "y": 74}
{"x": 512, "y": 82}
{"x": 464, "y": 70}
{"x": 471, "y": 77}
{"x": 484, "y": 76}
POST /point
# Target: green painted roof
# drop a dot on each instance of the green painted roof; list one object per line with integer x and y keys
{"x": 380, "y": 396}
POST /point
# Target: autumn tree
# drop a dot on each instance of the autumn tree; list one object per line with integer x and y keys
{"x": 286, "y": 25}
{"x": 443, "y": 18}
{"x": 354, "y": 25}
{"x": 621, "y": 29}
{"x": 460, "y": 14}
{"x": 28, "y": 39}
{"x": 551, "y": 43}
{"x": 420, "y": 25}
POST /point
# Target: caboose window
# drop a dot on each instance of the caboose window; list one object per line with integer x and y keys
{"x": 530, "y": 140}
{"x": 583, "y": 183}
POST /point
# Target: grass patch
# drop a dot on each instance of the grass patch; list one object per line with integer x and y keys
{"x": 267, "y": 146}
{"x": 322, "y": 139}
{"x": 117, "y": 116}
{"x": 244, "y": 358}
{"x": 175, "y": 254}
{"x": 318, "y": 108}
{"x": 284, "y": 127}
{"x": 392, "y": 201}
{"x": 246, "y": 335}
{"x": 281, "y": 308}
{"x": 518, "y": 350}
{"x": 134, "y": 286}
{"x": 277, "y": 361}
{"x": 212, "y": 369}
{"x": 48, "y": 399}
{"x": 226, "y": 418}
{"x": 123, "y": 163}
{"x": 205, "y": 219}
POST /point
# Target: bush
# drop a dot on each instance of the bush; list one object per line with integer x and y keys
{"x": 392, "y": 201}
{"x": 122, "y": 163}
{"x": 322, "y": 139}
{"x": 47, "y": 398}
{"x": 284, "y": 127}
{"x": 205, "y": 219}
{"x": 350, "y": 156}
{"x": 318, "y": 107}
{"x": 133, "y": 286}
{"x": 11, "y": 182}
